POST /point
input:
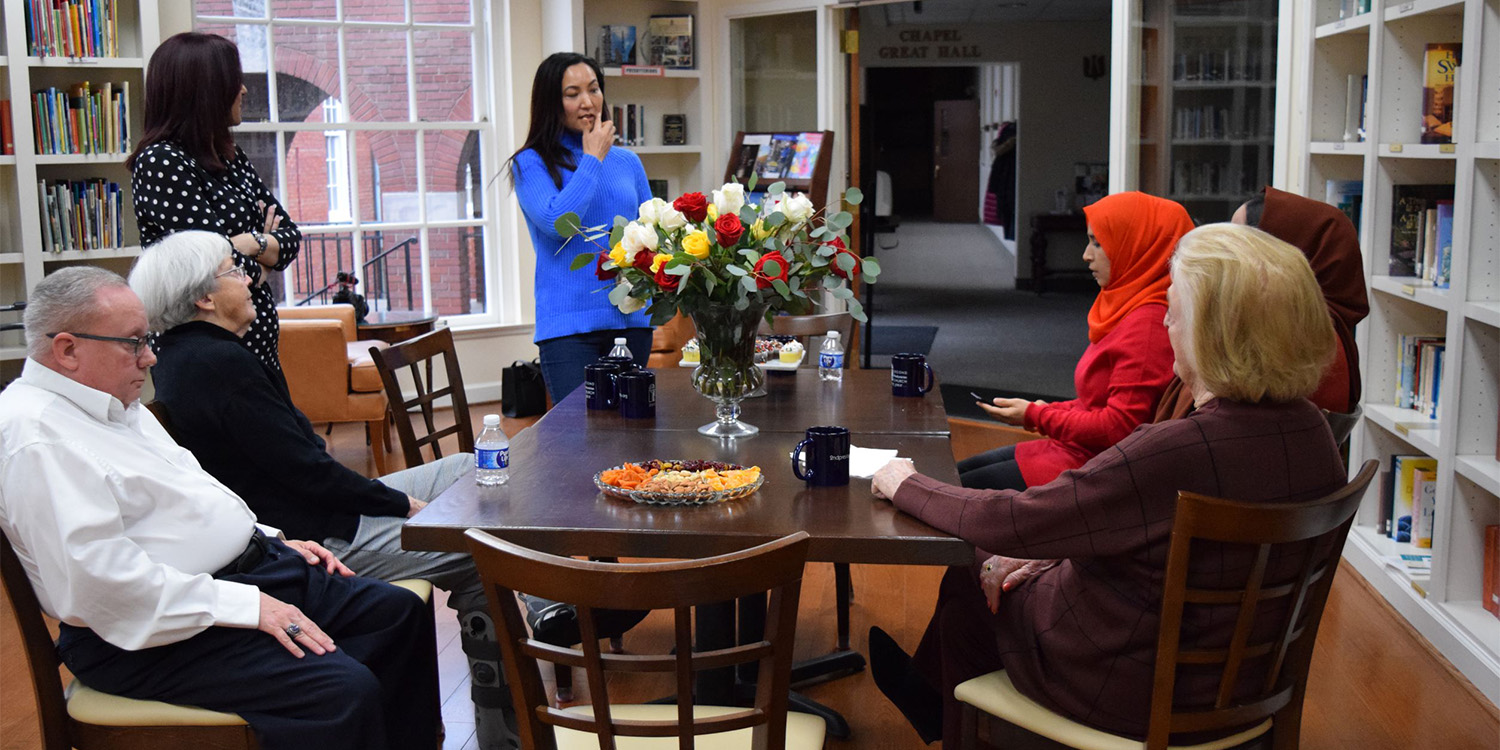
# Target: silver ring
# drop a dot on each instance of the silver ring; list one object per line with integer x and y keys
{"x": 293, "y": 630}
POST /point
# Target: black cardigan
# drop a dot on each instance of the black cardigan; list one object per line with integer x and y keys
{"x": 236, "y": 416}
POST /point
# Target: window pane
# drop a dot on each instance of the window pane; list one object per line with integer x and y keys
{"x": 386, "y": 162}
{"x": 440, "y": 11}
{"x": 376, "y": 10}
{"x": 251, "y": 41}
{"x": 773, "y": 72}
{"x": 444, "y": 65}
{"x": 454, "y": 180}
{"x": 456, "y": 259}
{"x": 311, "y": 277}
{"x": 318, "y": 9}
{"x": 308, "y": 176}
{"x": 234, "y": 8}
{"x": 392, "y": 271}
{"x": 307, "y": 69}
{"x": 377, "y": 76}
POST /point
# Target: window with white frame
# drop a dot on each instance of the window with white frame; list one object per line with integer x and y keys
{"x": 365, "y": 117}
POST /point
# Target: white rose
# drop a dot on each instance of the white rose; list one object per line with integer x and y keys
{"x": 670, "y": 218}
{"x": 796, "y": 207}
{"x": 730, "y": 198}
{"x": 651, "y": 211}
{"x": 629, "y": 304}
{"x": 637, "y": 237}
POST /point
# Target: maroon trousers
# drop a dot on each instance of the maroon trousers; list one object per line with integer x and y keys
{"x": 959, "y": 643}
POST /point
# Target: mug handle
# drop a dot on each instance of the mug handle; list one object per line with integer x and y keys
{"x": 796, "y": 453}
{"x": 928, "y": 368}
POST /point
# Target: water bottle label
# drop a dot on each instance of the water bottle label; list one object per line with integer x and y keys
{"x": 831, "y": 360}
{"x": 492, "y": 458}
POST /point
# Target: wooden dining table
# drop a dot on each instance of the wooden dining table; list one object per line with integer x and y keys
{"x": 552, "y": 504}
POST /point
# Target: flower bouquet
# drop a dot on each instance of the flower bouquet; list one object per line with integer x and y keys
{"x": 727, "y": 264}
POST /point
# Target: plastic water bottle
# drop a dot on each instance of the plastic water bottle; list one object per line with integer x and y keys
{"x": 491, "y": 454}
{"x": 831, "y": 358}
{"x": 620, "y": 349}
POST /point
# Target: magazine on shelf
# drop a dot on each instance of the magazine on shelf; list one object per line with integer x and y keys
{"x": 1439, "y": 66}
{"x": 805, "y": 156}
{"x": 748, "y": 161}
{"x": 671, "y": 41}
{"x": 776, "y": 158}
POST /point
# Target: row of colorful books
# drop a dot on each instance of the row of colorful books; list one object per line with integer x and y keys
{"x": 1422, "y": 233}
{"x": 73, "y": 28}
{"x": 81, "y": 215}
{"x": 630, "y": 124}
{"x": 85, "y": 119}
{"x": 1408, "y": 495}
{"x": 1419, "y": 372}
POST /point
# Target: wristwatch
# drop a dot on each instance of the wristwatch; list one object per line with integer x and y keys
{"x": 260, "y": 239}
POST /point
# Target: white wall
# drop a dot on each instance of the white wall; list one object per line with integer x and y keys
{"x": 1063, "y": 117}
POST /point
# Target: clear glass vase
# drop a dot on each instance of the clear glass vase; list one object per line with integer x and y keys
{"x": 726, "y": 371}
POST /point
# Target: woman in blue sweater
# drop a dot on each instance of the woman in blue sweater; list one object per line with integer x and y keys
{"x": 567, "y": 166}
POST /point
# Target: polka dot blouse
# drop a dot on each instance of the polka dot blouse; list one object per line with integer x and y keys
{"x": 173, "y": 192}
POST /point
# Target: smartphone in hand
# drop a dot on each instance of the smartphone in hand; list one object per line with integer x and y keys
{"x": 977, "y": 397}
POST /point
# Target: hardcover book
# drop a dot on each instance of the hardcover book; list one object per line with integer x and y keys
{"x": 748, "y": 162}
{"x": 1439, "y": 64}
{"x": 1490, "y": 596}
{"x": 1407, "y": 231}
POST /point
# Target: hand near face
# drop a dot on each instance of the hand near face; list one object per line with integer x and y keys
{"x": 596, "y": 142}
{"x": 886, "y": 481}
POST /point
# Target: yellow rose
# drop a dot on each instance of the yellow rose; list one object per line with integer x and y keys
{"x": 713, "y": 213}
{"x": 759, "y": 230}
{"x": 659, "y": 260}
{"x": 617, "y": 255}
{"x": 696, "y": 244}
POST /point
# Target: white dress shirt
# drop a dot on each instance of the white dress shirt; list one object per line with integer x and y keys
{"x": 118, "y": 528}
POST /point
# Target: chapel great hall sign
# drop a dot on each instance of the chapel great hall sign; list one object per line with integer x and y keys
{"x": 929, "y": 44}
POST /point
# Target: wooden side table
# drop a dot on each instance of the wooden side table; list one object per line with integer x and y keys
{"x": 1041, "y": 224}
{"x": 396, "y": 326}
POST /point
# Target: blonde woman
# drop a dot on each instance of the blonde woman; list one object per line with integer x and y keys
{"x": 1070, "y": 609}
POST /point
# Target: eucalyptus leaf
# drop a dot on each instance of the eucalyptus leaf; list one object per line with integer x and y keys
{"x": 750, "y": 186}
{"x": 750, "y": 255}
{"x": 853, "y": 196}
{"x": 582, "y": 259}
{"x": 772, "y": 268}
{"x": 832, "y": 282}
{"x": 776, "y": 219}
{"x": 678, "y": 269}
{"x": 776, "y": 188}
{"x": 742, "y": 303}
{"x": 748, "y": 284}
{"x": 842, "y": 292}
{"x": 841, "y": 220}
{"x": 827, "y": 251}
{"x": 818, "y": 261}
{"x": 781, "y": 288}
{"x": 818, "y": 232}
{"x": 857, "y": 311}
{"x": 710, "y": 282}
{"x": 868, "y": 277}
{"x": 872, "y": 266}
{"x": 736, "y": 271}
{"x": 615, "y": 235}
{"x": 618, "y": 294}
{"x": 845, "y": 262}
{"x": 799, "y": 293}
{"x": 567, "y": 225}
{"x": 748, "y": 214}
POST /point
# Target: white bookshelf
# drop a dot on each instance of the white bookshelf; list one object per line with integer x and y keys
{"x": 698, "y": 164}
{"x": 1387, "y": 45}
{"x": 23, "y": 262}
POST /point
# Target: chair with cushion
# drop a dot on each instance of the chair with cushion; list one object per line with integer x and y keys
{"x": 1284, "y": 645}
{"x": 331, "y": 376}
{"x": 83, "y": 718}
{"x": 774, "y": 568}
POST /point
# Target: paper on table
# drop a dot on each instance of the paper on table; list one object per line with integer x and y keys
{"x": 864, "y": 462}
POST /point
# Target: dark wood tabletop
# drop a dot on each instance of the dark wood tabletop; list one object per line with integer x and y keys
{"x": 794, "y": 401}
{"x": 551, "y": 503}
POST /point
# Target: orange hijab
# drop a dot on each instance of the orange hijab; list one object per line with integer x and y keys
{"x": 1138, "y": 232}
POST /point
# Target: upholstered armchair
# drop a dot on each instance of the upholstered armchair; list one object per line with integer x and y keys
{"x": 667, "y": 341}
{"x": 331, "y": 375}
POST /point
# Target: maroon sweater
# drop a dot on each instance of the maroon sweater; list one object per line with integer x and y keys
{"x": 1081, "y": 637}
{"x": 1118, "y": 382}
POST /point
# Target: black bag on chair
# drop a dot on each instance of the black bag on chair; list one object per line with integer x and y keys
{"x": 522, "y": 392}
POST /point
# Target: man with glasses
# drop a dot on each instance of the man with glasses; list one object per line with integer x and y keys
{"x": 166, "y": 587}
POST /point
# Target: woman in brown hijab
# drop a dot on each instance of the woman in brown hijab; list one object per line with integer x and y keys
{"x": 1331, "y": 243}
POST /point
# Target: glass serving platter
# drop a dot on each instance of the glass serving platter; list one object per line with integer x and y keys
{"x": 703, "y": 497}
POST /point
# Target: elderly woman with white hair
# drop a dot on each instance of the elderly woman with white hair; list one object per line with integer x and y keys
{"x": 1070, "y": 612}
{"x": 233, "y": 411}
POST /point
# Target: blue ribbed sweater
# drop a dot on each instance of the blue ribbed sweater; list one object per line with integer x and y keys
{"x": 569, "y": 302}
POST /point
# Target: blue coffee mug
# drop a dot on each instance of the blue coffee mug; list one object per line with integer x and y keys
{"x": 637, "y": 394}
{"x": 822, "y": 459}
{"x": 600, "y": 384}
{"x": 909, "y": 372}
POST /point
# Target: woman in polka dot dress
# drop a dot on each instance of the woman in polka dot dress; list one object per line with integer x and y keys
{"x": 187, "y": 173}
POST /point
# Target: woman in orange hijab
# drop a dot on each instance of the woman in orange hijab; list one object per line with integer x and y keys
{"x": 1129, "y": 359}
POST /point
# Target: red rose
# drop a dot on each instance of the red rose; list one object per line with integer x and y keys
{"x": 762, "y": 281}
{"x": 833, "y": 261}
{"x": 667, "y": 281}
{"x": 599, "y": 271}
{"x": 692, "y": 205}
{"x": 643, "y": 260}
{"x": 729, "y": 229}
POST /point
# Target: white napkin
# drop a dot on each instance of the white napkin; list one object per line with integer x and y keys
{"x": 864, "y": 462}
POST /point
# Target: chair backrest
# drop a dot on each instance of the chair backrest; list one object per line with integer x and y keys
{"x": 341, "y": 312}
{"x": 41, "y": 653}
{"x": 774, "y": 568}
{"x": 1320, "y": 527}
{"x": 159, "y": 410}
{"x": 422, "y": 350}
{"x": 1342, "y": 424}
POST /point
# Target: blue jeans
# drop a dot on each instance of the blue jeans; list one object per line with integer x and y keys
{"x": 564, "y": 357}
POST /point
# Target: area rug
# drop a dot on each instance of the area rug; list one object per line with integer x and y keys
{"x": 889, "y": 340}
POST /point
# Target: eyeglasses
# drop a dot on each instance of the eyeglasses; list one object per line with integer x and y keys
{"x": 236, "y": 272}
{"x": 136, "y": 344}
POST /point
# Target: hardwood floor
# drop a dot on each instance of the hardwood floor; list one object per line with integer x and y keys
{"x": 1375, "y": 684}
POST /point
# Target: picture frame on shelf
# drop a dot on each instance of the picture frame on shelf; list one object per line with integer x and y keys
{"x": 616, "y": 46}
{"x": 671, "y": 41}
{"x": 674, "y": 130}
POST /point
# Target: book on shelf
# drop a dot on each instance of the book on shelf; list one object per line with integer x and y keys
{"x": 674, "y": 130}
{"x": 1416, "y": 565}
{"x": 1408, "y": 228}
{"x": 1490, "y": 595}
{"x": 747, "y": 162}
{"x": 1423, "y": 507}
{"x": 616, "y": 46}
{"x": 671, "y": 41}
{"x": 1439, "y": 65}
{"x": 1416, "y": 367}
{"x": 72, "y": 28}
{"x": 84, "y": 119}
{"x": 1354, "y": 107}
{"x": 1403, "y": 480}
{"x": 1346, "y": 196}
{"x": 81, "y": 215}
{"x": 1442, "y": 275}
{"x": 7, "y": 130}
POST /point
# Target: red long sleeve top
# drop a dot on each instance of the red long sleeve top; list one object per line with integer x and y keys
{"x": 1118, "y": 381}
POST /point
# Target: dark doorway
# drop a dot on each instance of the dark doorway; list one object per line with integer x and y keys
{"x": 900, "y": 122}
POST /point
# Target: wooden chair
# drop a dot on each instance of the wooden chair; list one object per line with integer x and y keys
{"x": 1277, "y": 701}
{"x": 422, "y": 350}
{"x": 775, "y": 567}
